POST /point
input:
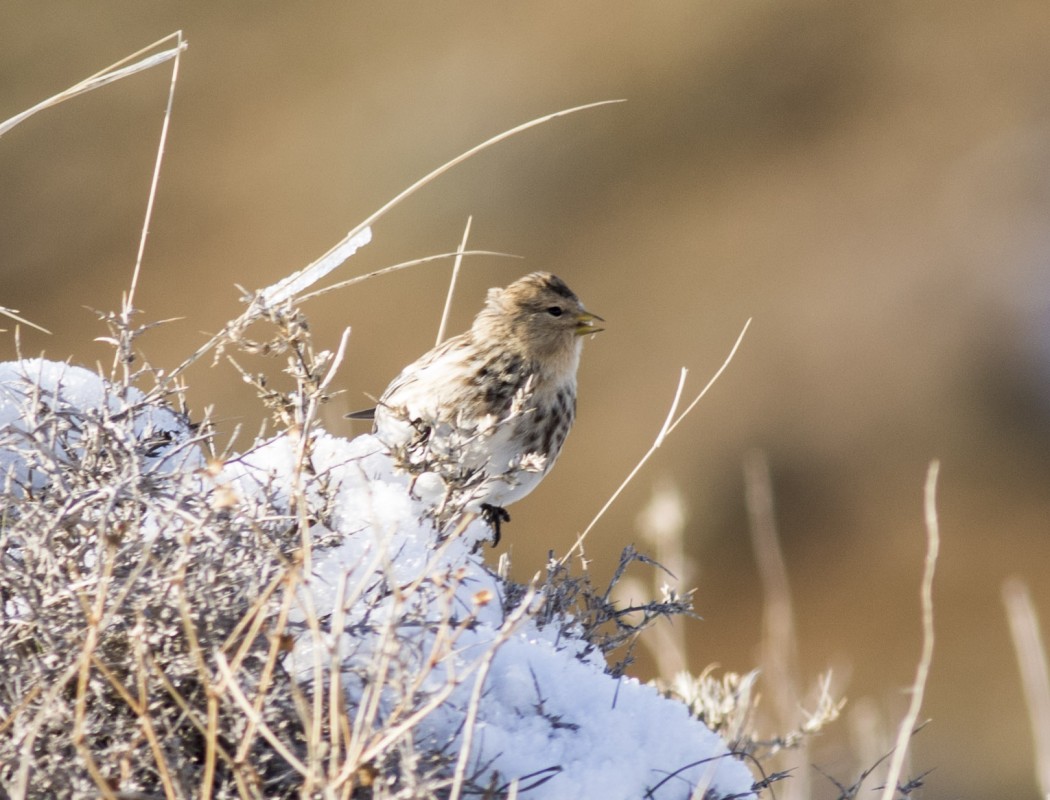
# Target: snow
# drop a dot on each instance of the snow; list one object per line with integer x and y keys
{"x": 546, "y": 704}
{"x": 26, "y": 386}
{"x": 287, "y": 288}
{"x": 547, "y": 714}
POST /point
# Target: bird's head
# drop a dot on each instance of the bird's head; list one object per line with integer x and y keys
{"x": 540, "y": 317}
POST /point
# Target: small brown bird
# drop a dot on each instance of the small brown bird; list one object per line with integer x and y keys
{"x": 489, "y": 410}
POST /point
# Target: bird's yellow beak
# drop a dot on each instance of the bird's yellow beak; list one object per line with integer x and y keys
{"x": 585, "y": 323}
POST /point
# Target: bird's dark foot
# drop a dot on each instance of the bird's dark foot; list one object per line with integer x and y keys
{"x": 494, "y": 516}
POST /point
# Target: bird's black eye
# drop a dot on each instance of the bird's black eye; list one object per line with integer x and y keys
{"x": 555, "y": 311}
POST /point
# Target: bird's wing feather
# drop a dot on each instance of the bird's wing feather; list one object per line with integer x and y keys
{"x": 364, "y": 413}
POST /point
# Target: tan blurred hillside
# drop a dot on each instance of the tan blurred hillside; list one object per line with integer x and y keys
{"x": 869, "y": 182}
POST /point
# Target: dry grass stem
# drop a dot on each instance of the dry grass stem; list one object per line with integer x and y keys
{"x": 128, "y": 306}
{"x": 662, "y": 526}
{"x": 452, "y": 282}
{"x": 397, "y": 267}
{"x": 12, "y": 313}
{"x": 114, "y": 72}
{"x": 1035, "y": 675}
{"x": 779, "y": 641}
{"x": 419, "y": 184}
{"x": 669, "y": 425}
{"x": 907, "y": 727}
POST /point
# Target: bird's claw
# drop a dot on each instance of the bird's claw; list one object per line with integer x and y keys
{"x": 494, "y": 516}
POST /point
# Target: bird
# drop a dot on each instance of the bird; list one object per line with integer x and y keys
{"x": 488, "y": 410}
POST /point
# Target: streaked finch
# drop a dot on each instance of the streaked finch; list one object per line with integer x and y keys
{"x": 488, "y": 410}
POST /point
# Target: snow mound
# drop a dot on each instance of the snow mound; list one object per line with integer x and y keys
{"x": 545, "y": 712}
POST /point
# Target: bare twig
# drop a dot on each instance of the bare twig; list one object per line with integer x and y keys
{"x": 229, "y": 685}
{"x": 142, "y": 709}
{"x": 93, "y": 613}
{"x": 340, "y": 353}
{"x": 510, "y": 624}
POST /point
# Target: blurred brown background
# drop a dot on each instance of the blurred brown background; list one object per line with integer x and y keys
{"x": 869, "y": 181}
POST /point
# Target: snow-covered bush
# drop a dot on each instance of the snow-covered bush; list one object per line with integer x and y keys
{"x": 294, "y": 620}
